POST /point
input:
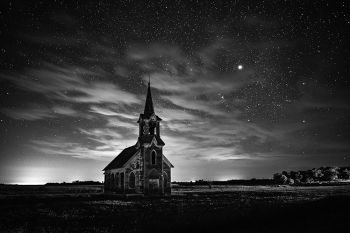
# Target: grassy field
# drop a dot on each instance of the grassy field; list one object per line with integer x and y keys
{"x": 189, "y": 209}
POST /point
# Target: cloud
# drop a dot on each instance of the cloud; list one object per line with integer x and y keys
{"x": 60, "y": 147}
{"x": 103, "y": 93}
{"x": 109, "y": 112}
{"x": 169, "y": 114}
{"x": 117, "y": 122}
{"x": 154, "y": 51}
{"x": 199, "y": 125}
{"x": 206, "y": 83}
{"x": 31, "y": 113}
{"x": 34, "y": 112}
{"x": 64, "y": 110}
{"x": 72, "y": 84}
{"x": 102, "y": 144}
{"x": 193, "y": 104}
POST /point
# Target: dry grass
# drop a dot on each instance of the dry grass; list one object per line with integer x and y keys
{"x": 196, "y": 209}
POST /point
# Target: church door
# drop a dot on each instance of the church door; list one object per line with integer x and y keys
{"x": 153, "y": 186}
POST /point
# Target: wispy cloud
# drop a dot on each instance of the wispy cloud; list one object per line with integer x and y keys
{"x": 110, "y": 112}
{"x": 73, "y": 84}
{"x": 60, "y": 147}
{"x": 34, "y": 112}
{"x": 64, "y": 110}
{"x": 30, "y": 113}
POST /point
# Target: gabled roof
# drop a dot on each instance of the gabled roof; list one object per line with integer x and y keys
{"x": 148, "y": 139}
{"x": 149, "y": 110}
{"x": 122, "y": 158}
{"x": 167, "y": 161}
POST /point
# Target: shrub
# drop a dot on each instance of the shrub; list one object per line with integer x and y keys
{"x": 312, "y": 175}
{"x": 345, "y": 174}
{"x": 299, "y": 175}
{"x": 330, "y": 174}
{"x": 297, "y": 181}
{"x": 290, "y": 181}
{"x": 316, "y": 174}
{"x": 308, "y": 180}
{"x": 279, "y": 178}
{"x": 287, "y": 174}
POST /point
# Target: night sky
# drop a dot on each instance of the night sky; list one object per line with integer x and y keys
{"x": 245, "y": 88}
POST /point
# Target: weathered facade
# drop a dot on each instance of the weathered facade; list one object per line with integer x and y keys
{"x": 141, "y": 168}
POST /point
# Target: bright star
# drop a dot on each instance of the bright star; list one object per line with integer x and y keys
{"x": 240, "y": 67}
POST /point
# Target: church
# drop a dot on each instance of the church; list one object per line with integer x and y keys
{"x": 141, "y": 168}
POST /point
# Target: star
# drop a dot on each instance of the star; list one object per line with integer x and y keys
{"x": 240, "y": 67}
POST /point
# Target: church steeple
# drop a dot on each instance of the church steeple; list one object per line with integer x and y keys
{"x": 149, "y": 121}
{"x": 149, "y": 110}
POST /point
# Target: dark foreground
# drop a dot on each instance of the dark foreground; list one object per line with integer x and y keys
{"x": 229, "y": 209}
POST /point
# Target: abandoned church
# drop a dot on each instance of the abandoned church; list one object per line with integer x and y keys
{"x": 141, "y": 168}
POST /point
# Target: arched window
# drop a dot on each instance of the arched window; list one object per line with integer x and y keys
{"x": 122, "y": 180}
{"x": 153, "y": 157}
{"x": 132, "y": 180}
{"x": 109, "y": 181}
{"x": 106, "y": 180}
{"x": 117, "y": 180}
{"x": 165, "y": 180}
{"x": 112, "y": 181}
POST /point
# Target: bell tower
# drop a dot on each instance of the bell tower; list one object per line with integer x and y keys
{"x": 151, "y": 146}
{"x": 148, "y": 121}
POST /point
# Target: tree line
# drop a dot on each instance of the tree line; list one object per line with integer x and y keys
{"x": 77, "y": 182}
{"x": 315, "y": 175}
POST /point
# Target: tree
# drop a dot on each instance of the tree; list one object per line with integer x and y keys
{"x": 279, "y": 178}
{"x": 310, "y": 176}
{"x": 296, "y": 175}
{"x": 330, "y": 174}
{"x": 345, "y": 174}
{"x": 287, "y": 174}
{"x": 316, "y": 174}
{"x": 308, "y": 180}
{"x": 290, "y": 181}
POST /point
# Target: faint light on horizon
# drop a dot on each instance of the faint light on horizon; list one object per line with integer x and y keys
{"x": 30, "y": 181}
{"x": 226, "y": 178}
{"x": 43, "y": 175}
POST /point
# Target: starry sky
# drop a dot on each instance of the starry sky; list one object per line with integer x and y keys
{"x": 244, "y": 88}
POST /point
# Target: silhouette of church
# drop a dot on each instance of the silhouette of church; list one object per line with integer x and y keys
{"x": 141, "y": 168}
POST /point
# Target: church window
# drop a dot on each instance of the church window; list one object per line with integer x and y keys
{"x": 112, "y": 181}
{"x": 153, "y": 157}
{"x": 117, "y": 180}
{"x": 132, "y": 180}
{"x": 122, "y": 184}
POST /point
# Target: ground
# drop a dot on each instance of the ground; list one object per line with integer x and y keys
{"x": 189, "y": 209}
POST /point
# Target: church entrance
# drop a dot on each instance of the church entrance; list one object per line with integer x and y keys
{"x": 153, "y": 182}
{"x": 153, "y": 186}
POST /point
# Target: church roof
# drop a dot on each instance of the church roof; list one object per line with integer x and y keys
{"x": 167, "y": 161}
{"x": 122, "y": 158}
{"x": 148, "y": 139}
{"x": 149, "y": 110}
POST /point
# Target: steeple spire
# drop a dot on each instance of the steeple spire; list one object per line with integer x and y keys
{"x": 149, "y": 110}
